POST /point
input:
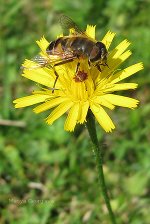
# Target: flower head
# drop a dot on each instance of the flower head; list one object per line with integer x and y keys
{"x": 88, "y": 89}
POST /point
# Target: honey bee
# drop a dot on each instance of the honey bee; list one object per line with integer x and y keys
{"x": 77, "y": 45}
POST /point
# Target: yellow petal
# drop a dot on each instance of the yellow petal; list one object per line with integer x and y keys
{"x": 102, "y": 117}
{"x": 122, "y": 86}
{"x": 89, "y": 88}
{"x": 49, "y": 104}
{"x": 28, "y": 64}
{"x": 126, "y": 72}
{"x": 30, "y": 100}
{"x": 113, "y": 63}
{"x": 78, "y": 90}
{"x": 121, "y": 101}
{"x": 116, "y": 57}
{"x": 120, "y": 49}
{"x": 84, "y": 106}
{"x": 102, "y": 101}
{"x": 45, "y": 91}
{"x": 43, "y": 44}
{"x": 58, "y": 111}
{"x": 108, "y": 38}
{"x": 40, "y": 76}
{"x": 71, "y": 120}
{"x": 125, "y": 55}
{"x": 90, "y": 31}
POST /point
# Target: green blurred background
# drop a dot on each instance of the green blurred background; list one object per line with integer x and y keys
{"x": 46, "y": 174}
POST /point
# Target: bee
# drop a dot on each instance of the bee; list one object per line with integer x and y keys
{"x": 77, "y": 45}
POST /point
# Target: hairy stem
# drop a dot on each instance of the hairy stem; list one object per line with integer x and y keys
{"x": 99, "y": 163}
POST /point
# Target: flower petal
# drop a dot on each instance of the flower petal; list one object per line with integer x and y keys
{"x": 71, "y": 120}
{"x": 102, "y": 117}
{"x": 108, "y": 38}
{"x": 83, "y": 112}
{"x": 122, "y": 86}
{"x": 90, "y": 31}
{"x": 113, "y": 63}
{"x": 30, "y": 100}
{"x": 120, "y": 49}
{"x": 29, "y": 65}
{"x": 59, "y": 111}
{"x": 126, "y": 72}
{"x": 102, "y": 101}
{"x": 121, "y": 101}
{"x": 40, "y": 76}
{"x": 115, "y": 58}
{"x": 43, "y": 44}
{"x": 49, "y": 104}
{"x": 78, "y": 91}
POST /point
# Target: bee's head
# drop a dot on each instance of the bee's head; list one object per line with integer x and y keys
{"x": 99, "y": 53}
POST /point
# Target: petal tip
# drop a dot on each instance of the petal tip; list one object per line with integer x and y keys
{"x": 110, "y": 129}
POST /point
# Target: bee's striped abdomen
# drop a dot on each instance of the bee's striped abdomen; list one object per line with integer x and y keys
{"x": 53, "y": 45}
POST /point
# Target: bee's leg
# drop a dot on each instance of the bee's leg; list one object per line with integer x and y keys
{"x": 105, "y": 64}
{"x": 56, "y": 74}
{"x": 89, "y": 64}
{"x": 77, "y": 68}
{"x": 98, "y": 67}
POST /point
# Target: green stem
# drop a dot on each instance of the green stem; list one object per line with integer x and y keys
{"x": 99, "y": 162}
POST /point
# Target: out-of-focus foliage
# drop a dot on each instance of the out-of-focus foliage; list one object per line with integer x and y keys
{"x": 46, "y": 174}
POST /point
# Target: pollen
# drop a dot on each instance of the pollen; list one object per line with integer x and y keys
{"x": 81, "y": 76}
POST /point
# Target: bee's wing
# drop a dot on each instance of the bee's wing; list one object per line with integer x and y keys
{"x": 67, "y": 24}
{"x": 40, "y": 61}
{"x": 36, "y": 62}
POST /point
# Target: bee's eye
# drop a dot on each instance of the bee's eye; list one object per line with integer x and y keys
{"x": 100, "y": 45}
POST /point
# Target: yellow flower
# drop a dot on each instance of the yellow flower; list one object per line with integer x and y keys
{"x": 76, "y": 97}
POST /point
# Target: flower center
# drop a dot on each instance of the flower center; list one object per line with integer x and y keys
{"x": 80, "y": 76}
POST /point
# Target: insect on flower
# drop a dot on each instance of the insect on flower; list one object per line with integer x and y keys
{"x": 77, "y": 45}
{"x": 83, "y": 85}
